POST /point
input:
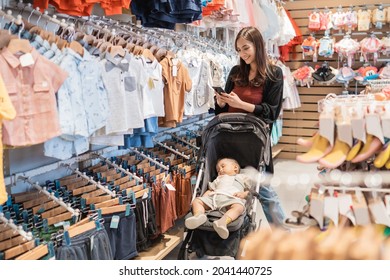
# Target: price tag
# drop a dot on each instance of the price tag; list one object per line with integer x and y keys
{"x": 345, "y": 207}
{"x": 327, "y": 127}
{"x": 386, "y": 124}
{"x": 114, "y": 221}
{"x": 170, "y": 187}
{"x": 361, "y": 210}
{"x": 175, "y": 61}
{"x": 358, "y": 129}
{"x": 26, "y": 60}
{"x": 331, "y": 209}
{"x": 317, "y": 208}
{"x": 374, "y": 126}
{"x": 378, "y": 211}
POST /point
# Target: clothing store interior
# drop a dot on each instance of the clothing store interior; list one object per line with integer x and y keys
{"x": 282, "y": 102}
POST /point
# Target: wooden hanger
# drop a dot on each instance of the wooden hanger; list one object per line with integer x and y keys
{"x": 77, "y": 47}
{"x": 81, "y": 229}
{"x": 107, "y": 203}
{"x": 7, "y": 244}
{"x": 53, "y": 212}
{"x": 104, "y": 46}
{"x": 35, "y": 254}
{"x": 19, "y": 45}
{"x": 20, "y": 249}
{"x": 116, "y": 50}
{"x": 59, "y": 218}
{"x": 141, "y": 193}
{"x": 97, "y": 199}
{"x": 114, "y": 209}
{"x": 148, "y": 55}
{"x": 138, "y": 50}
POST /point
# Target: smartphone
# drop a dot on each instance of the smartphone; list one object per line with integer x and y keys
{"x": 219, "y": 89}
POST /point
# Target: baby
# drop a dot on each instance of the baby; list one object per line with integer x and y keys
{"x": 226, "y": 193}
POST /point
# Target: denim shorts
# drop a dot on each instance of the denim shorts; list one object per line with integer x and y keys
{"x": 91, "y": 245}
{"x": 123, "y": 238}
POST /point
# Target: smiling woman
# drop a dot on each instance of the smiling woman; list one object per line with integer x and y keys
{"x": 255, "y": 86}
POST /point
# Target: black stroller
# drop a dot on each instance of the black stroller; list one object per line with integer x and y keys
{"x": 244, "y": 138}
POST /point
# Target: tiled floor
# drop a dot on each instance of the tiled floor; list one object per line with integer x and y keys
{"x": 292, "y": 198}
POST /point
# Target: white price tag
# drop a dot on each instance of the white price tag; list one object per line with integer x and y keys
{"x": 345, "y": 207}
{"x": 174, "y": 71}
{"x": 331, "y": 209}
{"x": 170, "y": 187}
{"x": 175, "y": 61}
{"x": 26, "y": 60}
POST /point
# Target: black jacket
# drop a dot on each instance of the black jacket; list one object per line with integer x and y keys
{"x": 271, "y": 105}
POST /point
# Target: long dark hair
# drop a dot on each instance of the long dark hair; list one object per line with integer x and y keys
{"x": 264, "y": 68}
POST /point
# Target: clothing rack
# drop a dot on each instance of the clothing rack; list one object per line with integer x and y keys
{"x": 97, "y": 184}
{"x": 10, "y": 223}
{"x": 172, "y": 150}
{"x": 74, "y": 212}
{"x": 120, "y": 168}
{"x": 150, "y": 159}
{"x": 47, "y": 168}
{"x": 184, "y": 141}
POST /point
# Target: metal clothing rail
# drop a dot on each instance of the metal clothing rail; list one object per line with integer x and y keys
{"x": 172, "y": 150}
{"x": 10, "y": 223}
{"x": 75, "y": 212}
{"x": 53, "y": 166}
{"x": 184, "y": 141}
{"x": 120, "y": 168}
{"x": 150, "y": 159}
{"x": 97, "y": 184}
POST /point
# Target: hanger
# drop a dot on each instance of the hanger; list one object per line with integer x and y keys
{"x": 20, "y": 249}
{"x": 80, "y": 229}
{"x": 148, "y": 55}
{"x": 77, "y": 47}
{"x": 35, "y": 254}
{"x": 59, "y": 218}
{"x": 19, "y": 45}
{"x": 49, "y": 195}
{"x": 116, "y": 50}
{"x": 90, "y": 179}
{"x": 115, "y": 209}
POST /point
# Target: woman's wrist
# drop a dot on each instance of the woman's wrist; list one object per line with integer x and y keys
{"x": 248, "y": 107}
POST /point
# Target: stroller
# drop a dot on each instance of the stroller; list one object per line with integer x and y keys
{"x": 244, "y": 138}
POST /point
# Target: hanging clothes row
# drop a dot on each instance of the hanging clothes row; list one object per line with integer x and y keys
{"x": 129, "y": 215}
{"x": 129, "y": 90}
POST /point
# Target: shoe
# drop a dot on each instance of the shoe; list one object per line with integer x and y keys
{"x": 309, "y": 141}
{"x": 354, "y": 150}
{"x": 383, "y": 157}
{"x": 372, "y": 145}
{"x": 195, "y": 221}
{"x": 337, "y": 156}
{"x": 387, "y": 165}
{"x": 221, "y": 228}
{"x": 319, "y": 149}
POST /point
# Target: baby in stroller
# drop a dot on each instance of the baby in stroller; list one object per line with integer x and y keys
{"x": 227, "y": 193}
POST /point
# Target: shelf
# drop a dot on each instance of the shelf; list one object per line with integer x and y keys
{"x": 276, "y": 150}
{"x": 160, "y": 250}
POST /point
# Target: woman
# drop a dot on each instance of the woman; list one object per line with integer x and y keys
{"x": 255, "y": 86}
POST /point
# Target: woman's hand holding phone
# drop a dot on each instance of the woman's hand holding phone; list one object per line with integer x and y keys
{"x": 221, "y": 96}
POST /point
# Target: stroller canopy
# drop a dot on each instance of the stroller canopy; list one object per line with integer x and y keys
{"x": 240, "y": 136}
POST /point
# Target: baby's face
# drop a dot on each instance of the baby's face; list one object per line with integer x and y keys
{"x": 227, "y": 167}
